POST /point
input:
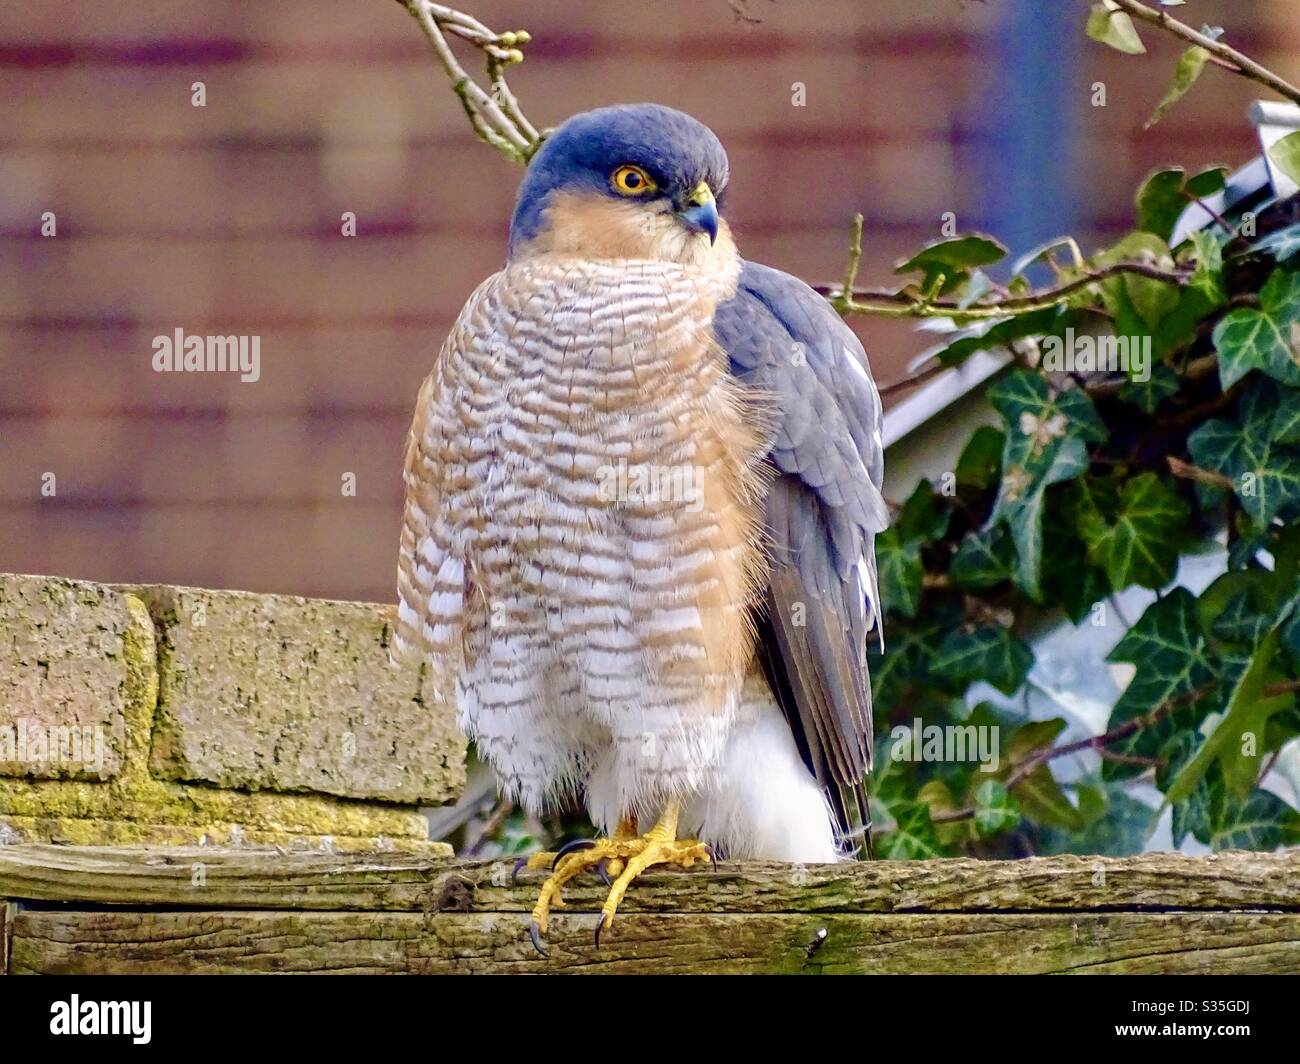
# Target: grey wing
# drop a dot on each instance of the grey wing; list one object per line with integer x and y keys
{"x": 823, "y": 511}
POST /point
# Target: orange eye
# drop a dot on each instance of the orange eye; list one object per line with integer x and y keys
{"x": 631, "y": 180}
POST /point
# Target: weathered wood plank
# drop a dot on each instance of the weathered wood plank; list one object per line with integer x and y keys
{"x": 7, "y": 910}
{"x": 210, "y": 878}
{"x": 1018, "y": 943}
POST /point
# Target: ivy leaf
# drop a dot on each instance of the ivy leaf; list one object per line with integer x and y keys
{"x": 1039, "y": 796}
{"x": 954, "y": 259}
{"x": 1263, "y": 339}
{"x": 987, "y": 652}
{"x": 1247, "y": 713}
{"x": 1139, "y": 303}
{"x": 1040, "y": 253}
{"x": 1207, "y": 277}
{"x": 980, "y": 463}
{"x": 1192, "y": 814}
{"x": 1115, "y": 824}
{"x": 1285, "y": 422}
{"x": 902, "y": 668}
{"x": 899, "y": 571}
{"x": 1160, "y": 201}
{"x": 1045, "y": 444}
{"x": 1165, "y": 194}
{"x": 1240, "y": 621}
{"x": 1268, "y": 594}
{"x": 913, "y": 837}
{"x": 1291, "y": 635}
{"x": 1207, "y": 182}
{"x": 995, "y": 810}
{"x": 1068, "y": 577}
{"x": 983, "y": 559}
{"x": 1262, "y": 822}
{"x": 1136, "y": 540}
{"x": 1286, "y": 155}
{"x": 1254, "y": 451}
{"x": 938, "y": 799}
{"x": 1147, "y": 395}
{"x": 1173, "y": 661}
{"x": 979, "y": 285}
{"x": 1109, "y": 25}
{"x": 1283, "y": 245}
{"x": 1190, "y": 65}
{"x": 923, "y": 518}
{"x": 1001, "y": 333}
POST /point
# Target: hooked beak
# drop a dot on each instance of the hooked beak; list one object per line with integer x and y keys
{"x": 699, "y": 211}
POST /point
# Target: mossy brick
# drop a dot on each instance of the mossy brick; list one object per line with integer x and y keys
{"x": 99, "y": 831}
{"x": 64, "y": 678}
{"x": 291, "y": 694}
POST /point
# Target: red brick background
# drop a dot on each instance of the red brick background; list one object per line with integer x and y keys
{"x": 225, "y": 219}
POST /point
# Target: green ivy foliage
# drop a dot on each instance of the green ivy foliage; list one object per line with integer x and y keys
{"x": 1094, "y": 481}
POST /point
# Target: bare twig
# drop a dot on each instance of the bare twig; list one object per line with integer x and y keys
{"x": 500, "y": 813}
{"x": 1222, "y": 54}
{"x": 842, "y": 299}
{"x": 494, "y": 112}
{"x": 1098, "y": 743}
{"x": 1187, "y": 471}
{"x": 906, "y": 303}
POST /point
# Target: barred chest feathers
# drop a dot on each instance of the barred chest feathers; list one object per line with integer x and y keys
{"x": 604, "y": 468}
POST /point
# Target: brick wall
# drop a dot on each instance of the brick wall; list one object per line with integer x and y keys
{"x": 226, "y": 219}
{"x": 166, "y": 715}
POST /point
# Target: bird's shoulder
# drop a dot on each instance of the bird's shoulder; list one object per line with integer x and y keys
{"x": 785, "y": 340}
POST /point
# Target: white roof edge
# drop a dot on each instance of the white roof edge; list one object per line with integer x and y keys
{"x": 1271, "y": 118}
{"x": 1274, "y": 120}
{"x": 940, "y": 393}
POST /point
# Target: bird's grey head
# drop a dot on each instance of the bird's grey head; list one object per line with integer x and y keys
{"x": 631, "y": 181}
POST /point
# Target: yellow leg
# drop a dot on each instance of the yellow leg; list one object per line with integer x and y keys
{"x": 660, "y": 846}
{"x": 626, "y": 830}
{"x": 627, "y": 856}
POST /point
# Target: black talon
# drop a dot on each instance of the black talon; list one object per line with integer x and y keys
{"x": 713, "y": 857}
{"x": 600, "y": 926}
{"x": 520, "y": 865}
{"x": 571, "y": 847}
{"x": 535, "y": 933}
{"x": 603, "y": 871}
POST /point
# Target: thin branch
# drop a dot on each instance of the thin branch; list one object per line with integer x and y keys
{"x": 906, "y": 303}
{"x": 1224, "y": 54}
{"x": 1187, "y": 471}
{"x": 494, "y": 112}
{"x": 1097, "y": 743}
{"x": 842, "y": 300}
{"x": 499, "y": 815}
{"x": 1195, "y": 370}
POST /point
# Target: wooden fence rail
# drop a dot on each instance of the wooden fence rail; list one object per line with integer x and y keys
{"x": 121, "y": 910}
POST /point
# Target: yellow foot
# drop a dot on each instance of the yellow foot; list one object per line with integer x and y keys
{"x": 549, "y": 859}
{"x": 624, "y": 856}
